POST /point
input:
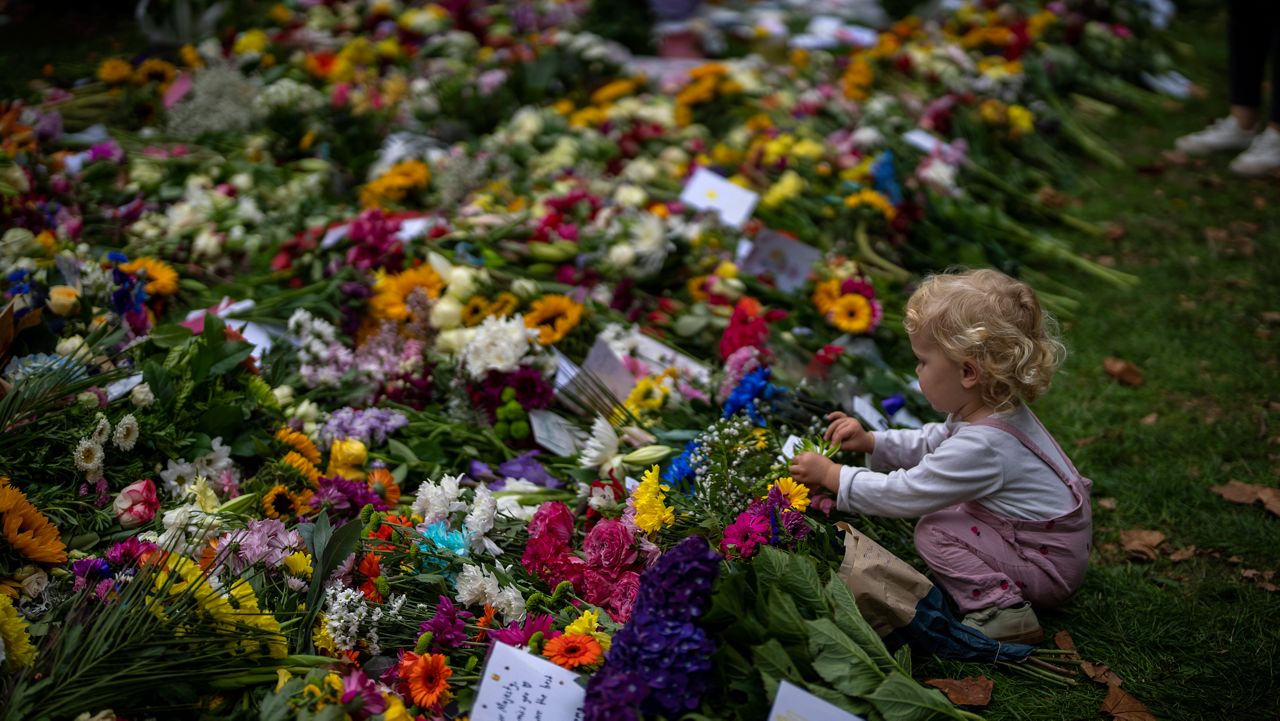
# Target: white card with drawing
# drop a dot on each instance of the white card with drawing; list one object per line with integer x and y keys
{"x": 517, "y": 686}
{"x": 787, "y": 260}
{"x": 708, "y": 191}
{"x": 795, "y": 704}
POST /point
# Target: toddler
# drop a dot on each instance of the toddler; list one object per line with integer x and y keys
{"x": 1004, "y": 515}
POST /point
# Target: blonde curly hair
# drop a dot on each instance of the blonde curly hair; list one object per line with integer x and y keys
{"x": 995, "y": 321}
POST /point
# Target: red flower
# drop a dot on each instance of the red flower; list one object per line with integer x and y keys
{"x": 609, "y": 546}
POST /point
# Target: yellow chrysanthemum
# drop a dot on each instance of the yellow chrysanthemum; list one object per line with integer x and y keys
{"x": 303, "y": 466}
{"x": 797, "y": 494}
{"x": 391, "y": 290}
{"x": 26, "y": 530}
{"x": 1021, "y": 121}
{"x": 553, "y": 316}
{"x": 300, "y": 443}
{"x": 298, "y": 564}
{"x": 18, "y": 649}
{"x": 873, "y": 199}
{"x": 114, "y": 71}
{"x": 652, "y": 515}
{"x": 162, "y": 279}
{"x": 320, "y": 636}
{"x": 392, "y": 186}
{"x": 851, "y": 313}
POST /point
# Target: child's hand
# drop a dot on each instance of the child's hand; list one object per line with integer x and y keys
{"x": 849, "y": 433}
{"x": 815, "y": 469}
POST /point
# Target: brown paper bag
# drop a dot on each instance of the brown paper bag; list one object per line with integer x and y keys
{"x": 885, "y": 587}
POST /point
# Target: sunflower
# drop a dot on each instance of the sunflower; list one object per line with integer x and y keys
{"x": 18, "y": 650}
{"x": 851, "y": 313}
{"x": 162, "y": 279}
{"x": 502, "y": 306}
{"x": 114, "y": 71}
{"x": 573, "y": 650}
{"x": 392, "y": 289}
{"x": 428, "y": 678}
{"x": 825, "y": 294}
{"x": 304, "y": 467}
{"x": 797, "y": 494}
{"x": 475, "y": 311}
{"x": 154, "y": 70}
{"x": 280, "y": 503}
{"x": 384, "y": 484}
{"x": 27, "y": 530}
{"x": 300, "y": 443}
{"x": 553, "y": 316}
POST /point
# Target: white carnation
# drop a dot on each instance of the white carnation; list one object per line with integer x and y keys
{"x": 499, "y": 344}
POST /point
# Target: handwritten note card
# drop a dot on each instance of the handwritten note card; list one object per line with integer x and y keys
{"x": 786, "y": 259}
{"x": 795, "y": 704}
{"x": 517, "y": 686}
{"x": 708, "y": 191}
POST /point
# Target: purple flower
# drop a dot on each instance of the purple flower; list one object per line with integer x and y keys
{"x": 110, "y": 150}
{"x": 519, "y": 632}
{"x": 448, "y": 627}
{"x": 90, "y": 570}
{"x": 265, "y": 542}
{"x": 370, "y": 426}
{"x": 346, "y": 497}
{"x": 615, "y": 695}
{"x": 679, "y": 585}
{"x": 127, "y": 552}
{"x": 360, "y": 696}
{"x": 524, "y": 466}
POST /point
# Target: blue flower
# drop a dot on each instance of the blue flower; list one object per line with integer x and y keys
{"x": 439, "y": 539}
{"x": 884, "y": 179}
{"x": 116, "y": 256}
{"x": 680, "y": 471}
{"x": 753, "y": 387}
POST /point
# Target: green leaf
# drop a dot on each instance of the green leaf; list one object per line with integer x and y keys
{"x": 402, "y": 451}
{"x": 771, "y": 566}
{"x": 841, "y": 662}
{"x": 157, "y": 378}
{"x": 170, "y": 336}
{"x": 215, "y": 332}
{"x": 835, "y": 698}
{"x": 849, "y": 619}
{"x": 774, "y": 664}
{"x": 222, "y": 420}
{"x": 903, "y": 657}
{"x": 802, "y": 582}
{"x": 229, "y": 362}
{"x": 781, "y": 616}
{"x": 901, "y": 699}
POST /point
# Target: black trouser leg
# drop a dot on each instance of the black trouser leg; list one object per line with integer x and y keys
{"x": 1249, "y": 40}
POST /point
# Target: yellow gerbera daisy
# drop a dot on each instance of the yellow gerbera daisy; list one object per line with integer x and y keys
{"x": 797, "y": 494}
{"x": 553, "y": 316}
{"x": 851, "y": 313}
{"x": 162, "y": 279}
{"x": 825, "y": 295}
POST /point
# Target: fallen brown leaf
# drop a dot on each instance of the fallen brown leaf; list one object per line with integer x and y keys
{"x": 1140, "y": 544}
{"x": 1101, "y": 673}
{"x": 1182, "y": 554}
{"x": 1237, "y": 492}
{"x": 1174, "y": 157}
{"x": 1122, "y": 370}
{"x": 1063, "y": 640}
{"x": 1235, "y": 560}
{"x": 1150, "y": 419}
{"x": 1270, "y": 316}
{"x": 1120, "y": 705}
{"x": 970, "y": 691}
{"x": 1108, "y": 503}
{"x": 1270, "y": 498}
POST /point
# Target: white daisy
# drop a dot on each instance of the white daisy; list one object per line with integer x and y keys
{"x": 126, "y": 434}
{"x": 103, "y": 431}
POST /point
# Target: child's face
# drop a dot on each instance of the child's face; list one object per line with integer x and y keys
{"x": 941, "y": 379}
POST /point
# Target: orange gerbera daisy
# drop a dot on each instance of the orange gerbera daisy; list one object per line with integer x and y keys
{"x": 573, "y": 650}
{"x": 485, "y": 621}
{"x": 428, "y": 678}
{"x": 280, "y": 503}
{"x": 304, "y": 467}
{"x": 27, "y": 530}
{"x": 384, "y": 484}
{"x": 391, "y": 290}
{"x": 553, "y": 316}
{"x": 300, "y": 443}
{"x": 162, "y": 279}
{"x": 825, "y": 294}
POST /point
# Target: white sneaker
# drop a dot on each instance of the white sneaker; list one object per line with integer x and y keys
{"x": 1224, "y": 134}
{"x": 1262, "y": 156}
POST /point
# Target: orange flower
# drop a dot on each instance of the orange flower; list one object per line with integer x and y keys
{"x": 428, "y": 678}
{"x": 26, "y": 530}
{"x": 825, "y": 295}
{"x": 299, "y": 443}
{"x": 162, "y": 279}
{"x": 392, "y": 290}
{"x": 384, "y": 484}
{"x": 371, "y": 569}
{"x": 573, "y": 650}
{"x": 305, "y": 468}
{"x": 485, "y": 621}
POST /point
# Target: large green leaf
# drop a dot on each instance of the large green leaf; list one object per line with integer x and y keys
{"x": 841, "y": 662}
{"x": 802, "y": 582}
{"x": 161, "y": 385}
{"x": 771, "y": 566}
{"x": 847, "y": 616}
{"x": 835, "y": 698}
{"x": 782, "y": 617}
{"x": 774, "y": 664}
{"x": 900, "y": 698}
{"x": 234, "y": 355}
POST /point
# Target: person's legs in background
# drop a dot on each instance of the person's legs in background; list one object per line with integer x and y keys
{"x": 1257, "y": 41}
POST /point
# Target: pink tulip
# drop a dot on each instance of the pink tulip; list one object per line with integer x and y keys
{"x": 137, "y": 504}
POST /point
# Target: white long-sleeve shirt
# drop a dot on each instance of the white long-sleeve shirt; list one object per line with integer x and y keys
{"x": 943, "y": 464}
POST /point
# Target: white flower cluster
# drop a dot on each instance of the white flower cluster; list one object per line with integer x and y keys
{"x": 644, "y": 245}
{"x": 498, "y": 344}
{"x": 179, "y": 475}
{"x": 90, "y": 451}
{"x": 288, "y": 94}
{"x": 437, "y": 500}
{"x": 479, "y": 521}
{"x": 350, "y": 619}
{"x": 324, "y": 358}
{"x": 478, "y": 586}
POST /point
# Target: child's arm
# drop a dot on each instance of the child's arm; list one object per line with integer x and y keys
{"x": 905, "y": 447}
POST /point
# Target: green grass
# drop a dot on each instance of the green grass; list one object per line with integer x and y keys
{"x": 1192, "y": 640}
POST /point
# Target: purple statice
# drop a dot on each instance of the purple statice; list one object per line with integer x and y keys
{"x": 345, "y": 498}
{"x": 374, "y": 244}
{"x": 661, "y": 659}
{"x": 90, "y": 571}
{"x": 520, "y": 632}
{"x": 448, "y": 626}
{"x": 266, "y": 542}
{"x": 127, "y": 552}
{"x": 360, "y": 696}
{"x": 370, "y": 426}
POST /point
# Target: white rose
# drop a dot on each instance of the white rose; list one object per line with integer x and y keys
{"x": 462, "y": 283}
{"x": 73, "y": 347}
{"x": 141, "y": 396}
{"x": 307, "y": 411}
{"x": 446, "y": 313}
{"x": 630, "y": 196}
{"x": 242, "y": 181}
{"x": 452, "y": 341}
{"x": 284, "y": 395}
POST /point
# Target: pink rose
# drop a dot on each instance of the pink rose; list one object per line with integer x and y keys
{"x": 553, "y": 519}
{"x": 609, "y": 546}
{"x": 623, "y": 596}
{"x": 542, "y": 552}
{"x": 137, "y": 504}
